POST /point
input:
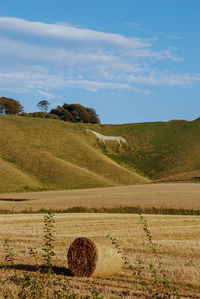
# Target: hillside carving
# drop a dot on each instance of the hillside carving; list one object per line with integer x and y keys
{"x": 119, "y": 139}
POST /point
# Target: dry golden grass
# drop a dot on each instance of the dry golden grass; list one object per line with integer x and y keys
{"x": 177, "y": 239}
{"x": 183, "y": 196}
{"x": 42, "y": 154}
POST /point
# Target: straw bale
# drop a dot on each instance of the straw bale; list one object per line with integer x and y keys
{"x": 94, "y": 257}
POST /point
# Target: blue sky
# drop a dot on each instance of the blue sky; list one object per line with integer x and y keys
{"x": 130, "y": 60}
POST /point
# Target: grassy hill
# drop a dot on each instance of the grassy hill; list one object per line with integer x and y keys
{"x": 158, "y": 150}
{"x": 44, "y": 154}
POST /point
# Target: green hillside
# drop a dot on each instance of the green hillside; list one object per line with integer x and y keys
{"x": 43, "y": 154}
{"x": 48, "y": 154}
{"x": 158, "y": 150}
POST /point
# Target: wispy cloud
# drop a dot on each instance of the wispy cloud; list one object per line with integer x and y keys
{"x": 171, "y": 36}
{"x": 70, "y": 33}
{"x": 40, "y": 80}
{"x": 70, "y": 57}
{"x": 165, "y": 79}
{"x": 45, "y": 94}
{"x": 133, "y": 25}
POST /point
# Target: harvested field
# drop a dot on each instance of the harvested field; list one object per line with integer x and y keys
{"x": 179, "y": 196}
{"x": 177, "y": 239}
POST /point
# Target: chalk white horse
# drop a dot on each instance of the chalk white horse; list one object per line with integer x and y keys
{"x": 119, "y": 139}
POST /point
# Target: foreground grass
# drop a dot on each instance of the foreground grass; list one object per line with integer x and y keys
{"x": 162, "y": 254}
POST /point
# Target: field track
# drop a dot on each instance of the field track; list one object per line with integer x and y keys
{"x": 179, "y": 195}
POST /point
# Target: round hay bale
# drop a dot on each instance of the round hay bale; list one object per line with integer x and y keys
{"x": 96, "y": 257}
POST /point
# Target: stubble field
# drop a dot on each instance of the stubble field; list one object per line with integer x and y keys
{"x": 177, "y": 196}
{"x": 177, "y": 256}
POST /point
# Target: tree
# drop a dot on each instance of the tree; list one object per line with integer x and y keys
{"x": 93, "y": 117}
{"x": 43, "y": 106}
{"x": 76, "y": 113}
{"x": 79, "y": 113}
{"x": 10, "y": 106}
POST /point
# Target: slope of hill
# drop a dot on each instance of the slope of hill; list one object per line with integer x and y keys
{"x": 158, "y": 149}
{"x": 43, "y": 154}
{"x": 47, "y": 154}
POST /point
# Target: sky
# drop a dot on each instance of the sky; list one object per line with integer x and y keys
{"x": 130, "y": 60}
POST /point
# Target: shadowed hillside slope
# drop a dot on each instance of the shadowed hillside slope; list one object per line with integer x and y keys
{"x": 43, "y": 154}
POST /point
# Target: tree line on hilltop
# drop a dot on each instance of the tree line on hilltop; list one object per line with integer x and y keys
{"x": 75, "y": 113}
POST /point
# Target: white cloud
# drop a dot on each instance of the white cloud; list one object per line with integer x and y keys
{"x": 40, "y": 80}
{"x": 45, "y": 94}
{"x": 94, "y": 85}
{"x": 53, "y": 54}
{"x": 165, "y": 79}
{"x": 70, "y": 33}
{"x": 70, "y": 57}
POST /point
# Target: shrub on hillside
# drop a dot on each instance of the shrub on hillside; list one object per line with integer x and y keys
{"x": 76, "y": 113}
{"x": 40, "y": 115}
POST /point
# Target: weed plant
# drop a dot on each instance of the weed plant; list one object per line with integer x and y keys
{"x": 160, "y": 286}
{"x": 34, "y": 254}
{"x": 49, "y": 241}
{"x": 9, "y": 255}
{"x": 163, "y": 288}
